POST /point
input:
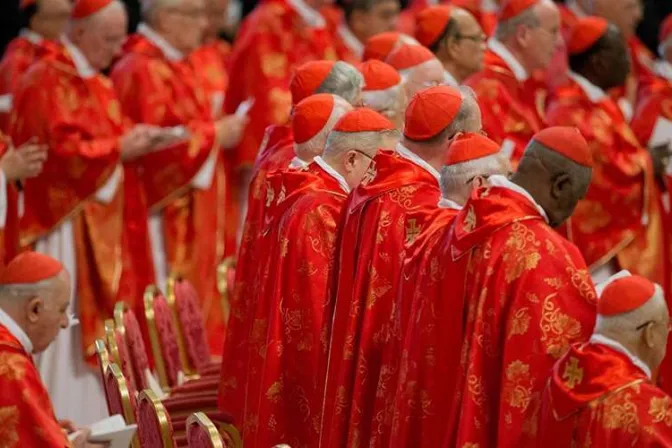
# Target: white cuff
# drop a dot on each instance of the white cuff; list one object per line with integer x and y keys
{"x": 203, "y": 179}
{"x": 3, "y": 199}
{"x": 5, "y": 104}
{"x": 105, "y": 194}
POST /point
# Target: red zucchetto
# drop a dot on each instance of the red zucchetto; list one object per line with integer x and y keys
{"x": 363, "y": 119}
{"x": 308, "y": 78}
{"x": 311, "y": 115}
{"x": 512, "y": 8}
{"x": 585, "y": 33}
{"x": 30, "y": 267}
{"x": 86, "y": 8}
{"x": 568, "y": 142}
{"x": 625, "y": 294}
{"x": 431, "y": 111}
{"x": 378, "y": 75}
{"x": 430, "y": 23}
{"x": 469, "y": 147}
{"x": 409, "y": 56}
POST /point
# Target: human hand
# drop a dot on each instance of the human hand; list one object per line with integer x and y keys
{"x": 138, "y": 141}
{"x": 25, "y": 161}
{"x": 230, "y": 130}
{"x": 82, "y": 440}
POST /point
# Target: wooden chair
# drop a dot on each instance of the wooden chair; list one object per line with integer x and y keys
{"x": 202, "y": 432}
{"x": 120, "y": 399}
{"x": 155, "y": 428}
{"x": 103, "y": 361}
{"x": 126, "y": 324}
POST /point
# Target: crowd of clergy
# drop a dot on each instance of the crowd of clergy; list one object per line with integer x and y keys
{"x": 447, "y": 226}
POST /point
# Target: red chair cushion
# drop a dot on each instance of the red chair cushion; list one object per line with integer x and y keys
{"x": 168, "y": 339}
{"x": 125, "y": 359}
{"x": 189, "y": 313}
{"x": 149, "y": 428}
{"x": 137, "y": 349}
{"x": 198, "y": 437}
{"x": 114, "y": 399}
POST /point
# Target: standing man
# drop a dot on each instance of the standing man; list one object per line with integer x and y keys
{"x": 73, "y": 209}
{"x": 527, "y": 35}
{"x": 42, "y": 20}
{"x": 455, "y": 37}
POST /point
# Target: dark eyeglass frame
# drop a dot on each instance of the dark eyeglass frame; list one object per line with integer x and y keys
{"x": 649, "y": 322}
{"x": 477, "y": 38}
{"x": 363, "y": 153}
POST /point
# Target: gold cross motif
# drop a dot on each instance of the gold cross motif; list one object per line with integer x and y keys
{"x": 412, "y": 231}
{"x": 470, "y": 220}
{"x": 573, "y": 374}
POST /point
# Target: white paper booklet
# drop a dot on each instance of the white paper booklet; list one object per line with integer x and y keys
{"x": 112, "y": 430}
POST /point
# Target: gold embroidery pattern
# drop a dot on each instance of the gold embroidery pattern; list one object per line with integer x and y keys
{"x": 9, "y": 420}
{"x": 274, "y": 64}
{"x": 518, "y": 386}
{"x": 12, "y": 366}
{"x": 558, "y": 329}
{"x": 660, "y": 409}
{"x": 581, "y": 280}
{"x": 520, "y": 323}
{"x": 469, "y": 223}
{"x": 476, "y": 389}
{"x": 412, "y": 231}
{"x": 573, "y": 374}
{"x": 403, "y": 196}
{"x": 520, "y": 252}
{"x": 275, "y": 391}
{"x": 620, "y": 413}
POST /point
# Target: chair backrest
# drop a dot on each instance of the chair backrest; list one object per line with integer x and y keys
{"x": 183, "y": 298}
{"x": 202, "y": 433}
{"x": 119, "y": 354}
{"x": 163, "y": 337}
{"x": 120, "y": 399}
{"x": 129, "y": 328}
{"x": 154, "y": 426}
{"x": 226, "y": 274}
{"x": 103, "y": 361}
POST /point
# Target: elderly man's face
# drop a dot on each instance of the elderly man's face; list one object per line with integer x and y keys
{"x": 545, "y": 38}
{"x": 186, "y": 23}
{"x": 47, "y": 313}
{"x": 51, "y": 18}
{"x": 102, "y": 38}
{"x": 468, "y": 47}
{"x": 625, "y": 14}
{"x": 217, "y": 13}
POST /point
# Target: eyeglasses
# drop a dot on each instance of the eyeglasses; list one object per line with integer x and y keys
{"x": 649, "y": 322}
{"x": 190, "y": 13}
{"x": 477, "y": 38}
{"x": 363, "y": 153}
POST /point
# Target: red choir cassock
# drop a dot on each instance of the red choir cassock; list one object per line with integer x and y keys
{"x": 179, "y": 186}
{"x": 272, "y": 41}
{"x": 75, "y": 112}
{"x": 9, "y": 233}
{"x": 601, "y": 394}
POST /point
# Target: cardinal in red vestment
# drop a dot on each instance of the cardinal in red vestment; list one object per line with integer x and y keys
{"x": 34, "y": 296}
{"x": 372, "y": 239}
{"x": 524, "y": 294}
{"x": 423, "y": 391}
{"x": 42, "y": 21}
{"x": 381, "y": 45}
{"x": 623, "y": 231}
{"x": 601, "y": 392}
{"x": 299, "y": 238}
{"x": 507, "y": 92}
{"x": 418, "y": 67}
{"x": 384, "y": 91}
{"x": 244, "y": 353}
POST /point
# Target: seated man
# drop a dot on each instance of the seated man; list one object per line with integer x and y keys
{"x": 601, "y": 392}
{"x": 34, "y": 298}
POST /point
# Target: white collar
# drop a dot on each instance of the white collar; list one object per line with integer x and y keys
{"x": 449, "y": 79}
{"x": 498, "y": 180}
{"x": 333, "y": 173}
{"x": 82, "y": 66}
{"x": 297, "y": 163}
{"x": 350, "y": 40}
{"x": 422, "y": 163}
{"x": 489, "y": 6}
{"x": 31, "y": 36}
{"x": 447, "y": 203}
{"x": 171, "y": 53}
{"x": 514, "y": 64}
{"x": 312, "y": 17}
{"x": 601, "y": 339}
{"x": 574, "y": 6}
{"x": 16, "y": 331}
{"x": 664, "y": 69}
{"x": 594, "y": 93}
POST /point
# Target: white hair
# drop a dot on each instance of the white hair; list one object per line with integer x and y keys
{"x": 624, "y": 324}
{"x": 367, "y": 141}
{"x": 408, "y": 72}
{"x": 149, "y": 7}
{"x": 382, "y": 100}
{"x": 455, "y": 178}
{"x": 343, "y": 80}
{"x": 25, "y": 290}
{"x": 507, "y": 28}
{"x": 315, "y": 146}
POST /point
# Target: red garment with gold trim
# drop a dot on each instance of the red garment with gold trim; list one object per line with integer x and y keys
{"x": 80, "y": 121}
{"x": 288, "y": 341}
{"x": 611, "y": 221}
{"x": 596, "y": 396}
{"x": 276, "y": 154}
{"x": 373, "y": 238}
{"x": 155, "y": 90}
{"x": 9, "y": 234}
{"x": 272, "y": 41}
{"x": 509, "y": 107}
{"x": 527, "y": 295}
{"x": 26, "y": 416}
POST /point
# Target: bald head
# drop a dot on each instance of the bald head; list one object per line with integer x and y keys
{"x": 182, "y": 23}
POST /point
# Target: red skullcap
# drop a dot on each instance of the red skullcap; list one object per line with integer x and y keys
{"x": 512, "y": 8}
{"x": 381, "y": 45}
{"x": 585, "y": 33}
{"x": 470, "y": 147}
{"x": 625, "y": 294}
{"x": 408, "y": 56}
{"x": 363, "y": 119}
{"x": 308, "y": 78}
{"x": 666, "y": 29}
{"x": 430, "y": 23}
{"x": 86, "y": 8}
{"x": 473, "y": 6}
{"x": 311, "y": 115}
{"x": 431, "y": 111}
{"x": 30, "y": 267}
{"x": 26, "y": 3}
{"x": 378, "y": 75}
{"x": 568, "y": 142}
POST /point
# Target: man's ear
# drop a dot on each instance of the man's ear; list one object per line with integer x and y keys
{"x": 34, "y": 309}
{"x": 561, "y": 184}
{"x": 648, "y": 335}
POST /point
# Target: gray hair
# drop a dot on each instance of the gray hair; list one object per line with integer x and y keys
{"x": 368, "y": 141}
{"x": 382, "y": 100}
{"x": 455, "y": 178}
{"x": 315, "y": 146}
{"x": 149, "y": 7}
{"x": 623, "y": 325}
{"x": 343, "y": 80}
{"x": 18, "y": 291}
{"x": 507, "y": 28}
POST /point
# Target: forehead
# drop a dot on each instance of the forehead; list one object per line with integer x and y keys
{"x": 191, "y": 4}
{"x": 217, "y": 4}
{"x": 466, "y": 22}
{"x": 548, "y": 14}
{"x": 55, "y": 5}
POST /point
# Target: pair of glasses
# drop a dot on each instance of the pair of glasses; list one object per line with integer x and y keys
{"x": 363, "y": 153}
{"x": 477, "y": 38}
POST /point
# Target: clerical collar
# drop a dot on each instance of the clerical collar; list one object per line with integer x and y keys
{"x": 31, "y": 36}
{"x": 297, "y": 163}
{"x": 594, "y": 93}
{"x": 422, "y": 163}
{"x": 489, "y": 6}
{"x": 16, "y": 331}
{"x": 171, "y": 53}
{"x": 311, "y": 17}
{"x": 333, "y": 173}
{"x": 516, "y": 67}
{"x": 615, "y": 345}
{"x": 351, "y": 41}
{"x": 449, "y": 79}
{"x": 498, "y": 180}
{"x": 82, "y": 66}
{"x": 664, "y": 69}
{"x": 574, "y": 6}
{"x": 447, "y": 203}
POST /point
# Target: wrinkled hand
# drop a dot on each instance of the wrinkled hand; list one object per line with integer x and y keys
{"x": 23, "y": 162}
{"x": 138, "y": 141}
{"x": 230, "y": 130}
{"x": 660, "y": 155}
{"x": 82, "y": 440}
